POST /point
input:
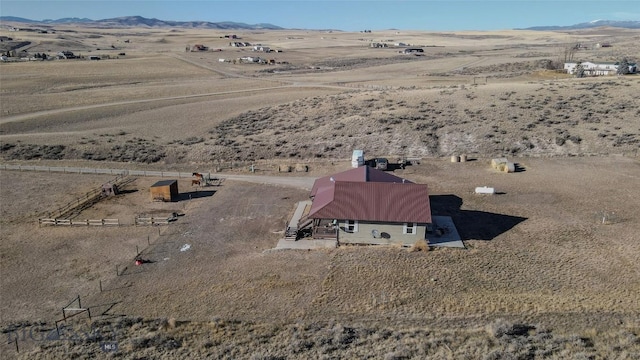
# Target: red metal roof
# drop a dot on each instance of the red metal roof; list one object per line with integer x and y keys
{"x": 359, "y": 174}
{"x": 372, "y": 201}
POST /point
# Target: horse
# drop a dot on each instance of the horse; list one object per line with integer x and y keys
{"x": 199, "y": 179}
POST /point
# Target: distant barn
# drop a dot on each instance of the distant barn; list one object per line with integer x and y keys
{"x": 165, "y": 190}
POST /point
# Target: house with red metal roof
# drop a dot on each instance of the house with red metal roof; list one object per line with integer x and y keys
{"x": 368, "y": 206}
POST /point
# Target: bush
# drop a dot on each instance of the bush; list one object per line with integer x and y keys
{"x": 420, "y": 245}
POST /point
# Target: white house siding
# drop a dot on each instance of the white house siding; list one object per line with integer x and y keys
{"x": 570, "y": 67}
{"x": 363, "y": 235}
{"x": 592, "y": 69}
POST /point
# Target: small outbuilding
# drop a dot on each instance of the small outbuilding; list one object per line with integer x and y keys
{"x": 357, "y": 159}
{"x": 109, "y": 189}
{"x": 165, "y": 190}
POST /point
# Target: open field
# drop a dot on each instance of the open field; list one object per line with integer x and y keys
{"x": 491, "y": 96}
{"x": 537, "y": 255}
{"x": 542, "y": 276}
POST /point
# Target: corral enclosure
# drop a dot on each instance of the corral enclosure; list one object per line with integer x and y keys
{"x": 538, "y": 251}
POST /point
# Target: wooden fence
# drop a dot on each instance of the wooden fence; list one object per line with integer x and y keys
{"x": 149, "y": 221}
{"x": 87, "y": 200}
{"x": 71, "y": 222}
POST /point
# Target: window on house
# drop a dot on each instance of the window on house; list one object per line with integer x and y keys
{"x": 409, "y": 228}
{"x": 351, "y": 225}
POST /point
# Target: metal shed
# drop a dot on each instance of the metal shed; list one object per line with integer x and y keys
{"x": 165, "y": 190}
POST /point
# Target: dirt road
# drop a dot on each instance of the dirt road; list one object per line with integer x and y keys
{"x": 293, "y": 181}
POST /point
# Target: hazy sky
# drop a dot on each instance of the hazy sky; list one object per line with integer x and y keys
{"x": 349, "y": 15}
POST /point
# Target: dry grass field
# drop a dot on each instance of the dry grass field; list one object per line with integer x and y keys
{"x": 542, "y": 276}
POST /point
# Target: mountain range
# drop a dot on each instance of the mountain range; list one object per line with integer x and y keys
{"x": 628, "y": 24}
{"x": 138, "y": 21}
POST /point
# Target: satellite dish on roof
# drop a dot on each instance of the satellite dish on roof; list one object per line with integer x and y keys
{"x": 332, "y": 179}
{"x": 375, "y": 233}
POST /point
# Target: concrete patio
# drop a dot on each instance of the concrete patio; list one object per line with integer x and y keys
{"x": 449, "y": 237}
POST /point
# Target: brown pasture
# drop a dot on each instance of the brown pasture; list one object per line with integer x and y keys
{"x": 537, "y": 254}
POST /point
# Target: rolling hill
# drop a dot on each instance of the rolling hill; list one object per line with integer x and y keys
{"x": 139, "y": 21}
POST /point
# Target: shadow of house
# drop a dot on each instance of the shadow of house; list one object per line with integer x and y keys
{"x": 393, "y": 166}
{"x": 472, "y": 224}
{"x": 195, "y": 195}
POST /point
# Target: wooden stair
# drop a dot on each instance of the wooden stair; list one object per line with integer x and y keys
{"x": 291, "y": 234}
{"x": 304, "y": 223}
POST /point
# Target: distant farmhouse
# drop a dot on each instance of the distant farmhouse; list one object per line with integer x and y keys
{"x": 597, "y": 69}
{"x": 199, "y": 47}
{"x": 66, "y": 55}
{"x": 239, "y": 44}
{"x": 262, "y": 48}
{"x": 367, "y": 206}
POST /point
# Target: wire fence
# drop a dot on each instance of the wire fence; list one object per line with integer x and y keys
{"x": 249, "y": 166}
{"x": 81, "y": 170}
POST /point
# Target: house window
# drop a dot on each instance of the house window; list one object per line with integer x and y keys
{"x": 351, "y": 226}
{"x": 409, "y": 228}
